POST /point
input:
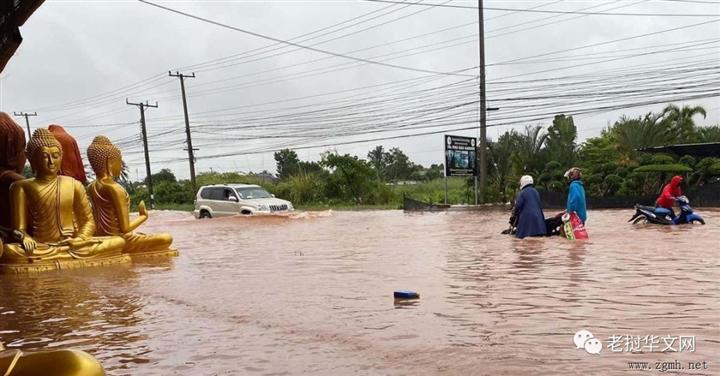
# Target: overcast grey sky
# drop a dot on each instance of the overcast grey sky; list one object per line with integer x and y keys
{"x": 80, "y": 59}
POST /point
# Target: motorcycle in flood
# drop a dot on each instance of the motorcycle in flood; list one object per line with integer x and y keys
{"x": 661, "y": 216}
{"x": 553, "y": 225}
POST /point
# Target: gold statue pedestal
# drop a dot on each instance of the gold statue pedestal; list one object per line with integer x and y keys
{"x": 61, "y": 264}
{"x": 49, "y": 257}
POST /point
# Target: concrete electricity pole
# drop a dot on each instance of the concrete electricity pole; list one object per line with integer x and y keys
{"x": 142, "y": 107}
{"x": 27, "y": 121}
{"x": 483, "y": 108}
{"x": 190, "y": 150}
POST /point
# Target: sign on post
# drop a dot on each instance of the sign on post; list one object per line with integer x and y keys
{"x": 460, "y": 158}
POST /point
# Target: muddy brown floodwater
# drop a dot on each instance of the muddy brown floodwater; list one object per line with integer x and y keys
{"x": 312, "y": 294}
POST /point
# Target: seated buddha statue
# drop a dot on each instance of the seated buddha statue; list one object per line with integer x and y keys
{"x": 12, "y": 162}
{"x": 72, "y": 163}
{"x": 111, "y": 203}
{"x": 52, "y": 212}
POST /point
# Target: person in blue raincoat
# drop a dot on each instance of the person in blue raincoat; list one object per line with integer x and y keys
{"x": 528, "y": 210}
{"x": 576, "y": 194}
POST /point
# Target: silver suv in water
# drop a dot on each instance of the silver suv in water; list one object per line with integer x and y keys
{"x": 232, "y": 199}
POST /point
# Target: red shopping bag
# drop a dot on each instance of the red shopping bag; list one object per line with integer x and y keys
{"x": 573, "y": 227}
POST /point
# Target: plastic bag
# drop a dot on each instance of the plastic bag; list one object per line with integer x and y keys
{"x": 573, "y": 227}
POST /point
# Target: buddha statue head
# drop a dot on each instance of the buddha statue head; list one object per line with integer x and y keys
{"x": 45, "y": 153}
{"x": 12, "y": 144}
{"x": 105, "y": 158}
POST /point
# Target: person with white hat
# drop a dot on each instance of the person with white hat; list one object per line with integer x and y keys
{"x": 528, "y": 210}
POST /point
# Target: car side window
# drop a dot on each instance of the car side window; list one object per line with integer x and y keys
{"x": 216, "y": 194}
{"x": 206, "y": 193}
{"x": 227, "y": 193}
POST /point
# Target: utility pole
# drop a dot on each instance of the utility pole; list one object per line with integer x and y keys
{"x": 190, "y": 150}
{"x": 142, "y": 107}
{"x": 483, "y": 109}
{"x": 27, "y": 121}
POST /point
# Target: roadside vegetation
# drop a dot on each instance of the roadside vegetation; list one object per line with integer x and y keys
{"x": 611, "y": 162}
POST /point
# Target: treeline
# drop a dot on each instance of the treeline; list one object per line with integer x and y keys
{"x": 334, "y": 180}
{"x": 611, "y": 163}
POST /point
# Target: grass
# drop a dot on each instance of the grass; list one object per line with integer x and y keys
{"x": 431, "y": 192}
{"x": 434, "y": 191}
{"x": 178, "y": 207}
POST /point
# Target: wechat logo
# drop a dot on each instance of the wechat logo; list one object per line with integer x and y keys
{"x": 583, "y": 339}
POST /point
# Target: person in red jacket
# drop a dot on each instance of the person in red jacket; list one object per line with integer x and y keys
{"x": 669, "y": 194}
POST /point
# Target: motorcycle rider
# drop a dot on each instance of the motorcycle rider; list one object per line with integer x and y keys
{"x": 669, "y": 195}
{"x": 576, "y": 194}
{"x": 528, "y": 211}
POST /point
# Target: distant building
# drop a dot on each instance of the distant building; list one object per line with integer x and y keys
{"x": 13, "y": 14}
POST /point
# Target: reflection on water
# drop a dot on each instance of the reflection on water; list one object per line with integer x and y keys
{"x": 312, "y": 293}
{"x": 74, "y": 309}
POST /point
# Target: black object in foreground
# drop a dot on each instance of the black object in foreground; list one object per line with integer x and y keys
{"x": 406, "y": 294}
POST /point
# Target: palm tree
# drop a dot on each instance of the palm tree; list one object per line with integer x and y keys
{"x": 528, "y": 155}
{"x": 628, "y": 135}
{"x": 560, "y": 141}
{"x": 680, "y": 120}
{"x": 709, "y": 134}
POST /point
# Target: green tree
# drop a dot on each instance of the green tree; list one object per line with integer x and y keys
{"x": 628, "y": 135}
{"x": 164, "y": 175}
{"x": 500, "y": 154}
{"x": 704, "y": 170}
{"x": 309, "y": 168}
{"x": 378, "y": 160}
{"x": 287, "y": 163}
{"x": 709, "y": 134}
{"x": 528, "y": 157}
{"x": 399, "y": 166}
{"x": 351, "y": 178}
{"x": 560, "y": 141}
{"x": 680, "y": 122}
{"x": 435, "y": 171}
{"x": 551, "y": 177}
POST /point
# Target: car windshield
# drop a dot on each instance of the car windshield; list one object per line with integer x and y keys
{"x": 247, "y": 193}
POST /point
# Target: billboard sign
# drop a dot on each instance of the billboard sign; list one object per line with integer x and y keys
{"x": 460, "y": 156}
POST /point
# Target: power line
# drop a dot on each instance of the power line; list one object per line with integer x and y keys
{"x": 611, "y": 41}
{"x": 291, "y": 43}
{"x": 553, "y": 11}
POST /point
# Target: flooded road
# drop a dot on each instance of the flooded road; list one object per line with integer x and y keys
{"x": 313, "y": 295}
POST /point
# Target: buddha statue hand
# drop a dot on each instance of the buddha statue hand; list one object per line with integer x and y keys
{"x": 29, "y": 245}
{"x": 142, "y": 210}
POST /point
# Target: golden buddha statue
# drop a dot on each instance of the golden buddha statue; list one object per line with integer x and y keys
{"x": 53, "y": 214}
{"x": 49, "y": 363}
{"x": 111, "y": 203}
{"x": 12, "y": 162}
{"x": 72, "y": 163}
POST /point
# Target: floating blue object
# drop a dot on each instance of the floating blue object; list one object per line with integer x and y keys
{"x": 406, "y": 294}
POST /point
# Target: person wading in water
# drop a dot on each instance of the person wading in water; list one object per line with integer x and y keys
{"x": 528, "y": 210}
{"x": 576, "y": 194}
